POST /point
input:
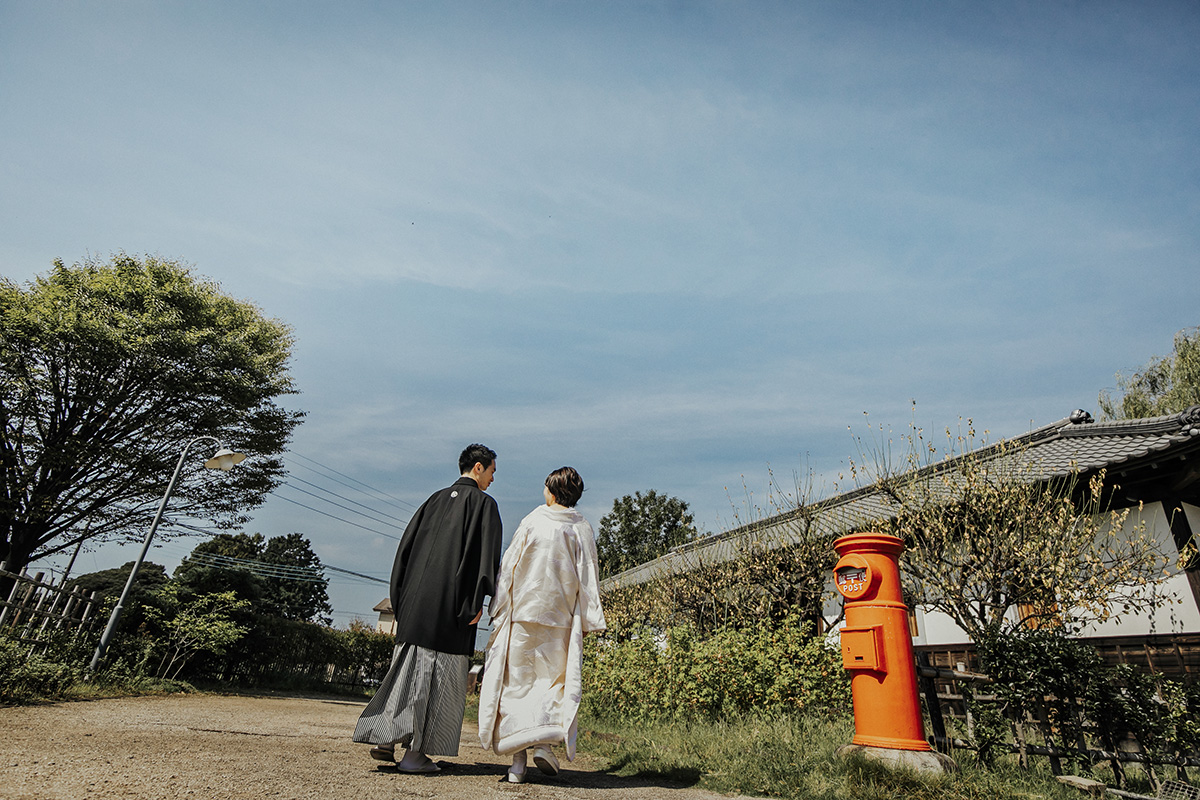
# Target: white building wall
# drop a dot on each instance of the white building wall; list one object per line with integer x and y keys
{"x": 1178, "y": 613}
{"x": 934, "y": 627}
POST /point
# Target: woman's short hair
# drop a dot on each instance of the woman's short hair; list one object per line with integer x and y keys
{"x": 566, "y": 486}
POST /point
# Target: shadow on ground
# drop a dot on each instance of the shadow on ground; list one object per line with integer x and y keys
{"x": 610, "y": 778}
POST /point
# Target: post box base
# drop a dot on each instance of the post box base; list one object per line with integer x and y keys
{"x": 911, "y": 742}
{"x": 924, "y": 761}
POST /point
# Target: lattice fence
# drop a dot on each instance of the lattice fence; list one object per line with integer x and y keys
{"x": 36, "y": 609}
{"x": 955, "y": 697}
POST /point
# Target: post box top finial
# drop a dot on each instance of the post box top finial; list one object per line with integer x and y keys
{"x": 869, "y": 543}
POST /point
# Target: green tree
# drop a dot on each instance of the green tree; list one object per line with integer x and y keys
{"x": 642, "y": 527}
{"x": 201, "y": 624}
{"x": 996, "y": 546}
{"x": 297, "y": 588}
{"x": 280, "y": 576}
{"x": 224, "y": 563}
{"x": 1164, "y": 386}
{"x": 110, "y": 582}
{"x": 106, "y": 371}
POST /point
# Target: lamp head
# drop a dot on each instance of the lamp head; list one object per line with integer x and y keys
{"x": 225, "y": 459}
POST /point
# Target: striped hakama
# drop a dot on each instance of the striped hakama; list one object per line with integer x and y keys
{"x": 420, "y": 703}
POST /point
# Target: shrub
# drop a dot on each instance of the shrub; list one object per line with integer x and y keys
{"x": 1065, "y": 684}
{"x": 26, "y": 676}
{"x": 647, "y": 675}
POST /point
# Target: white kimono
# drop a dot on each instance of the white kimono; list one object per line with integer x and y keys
{"x": 547, "y": 597}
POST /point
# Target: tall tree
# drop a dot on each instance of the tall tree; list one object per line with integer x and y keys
{"x": 642, "y": 527}
{"x": 280, "y": 576}
{"x": 296, "y": 588}
{"x": 224, "y": 563}
{"x": 1164, "y": 386}
{"x": 110, "y": 582}
{"x": 107, "y": 370}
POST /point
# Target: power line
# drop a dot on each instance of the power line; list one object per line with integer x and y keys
{"x": 260, "y": 568}
{"x": 376, "y": 516}
{"x": 348, "y": 500}
{"x": 383, "y": 522}
{"x": 410, "y": 506}
{"x": 335, "y": 517}
{"x": 171, "y": 545}
{"x": 254, "y": 563}
{"x": 194, "y": 528}
{"x": 232, "y": 561}
{"x": 356, "y": 574}
{"x": 339, "y": 505}
{"x": 269, "y": 570}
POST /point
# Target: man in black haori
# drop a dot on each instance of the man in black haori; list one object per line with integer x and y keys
{"x": 445, "y": 566}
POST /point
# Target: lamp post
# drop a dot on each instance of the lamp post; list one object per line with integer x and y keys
{"x": 223, "y": 460}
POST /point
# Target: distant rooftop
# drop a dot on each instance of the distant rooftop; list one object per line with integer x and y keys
{"x": 1151, "y": 459}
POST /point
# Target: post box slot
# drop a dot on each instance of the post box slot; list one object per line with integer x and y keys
{"x": 861, "y": 650}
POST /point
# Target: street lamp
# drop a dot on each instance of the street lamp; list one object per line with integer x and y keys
{"x": 223, "y": 460}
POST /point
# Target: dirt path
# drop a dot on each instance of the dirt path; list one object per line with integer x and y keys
{"x": 216, "y": 747}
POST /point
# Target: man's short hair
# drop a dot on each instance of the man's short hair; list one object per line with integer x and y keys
{"x": 475, "y": 454}
{"x": 566, "y": 486}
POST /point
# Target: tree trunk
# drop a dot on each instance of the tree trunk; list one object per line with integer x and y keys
{"x": 15, "y": 561}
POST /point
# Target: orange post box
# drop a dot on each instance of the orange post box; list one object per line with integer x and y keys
{"x": 876, "y": 644}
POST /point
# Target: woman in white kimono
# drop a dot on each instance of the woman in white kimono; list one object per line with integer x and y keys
{"x": 547, "y": 597}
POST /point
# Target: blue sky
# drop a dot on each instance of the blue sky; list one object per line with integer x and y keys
{"x": 671, "y": 244}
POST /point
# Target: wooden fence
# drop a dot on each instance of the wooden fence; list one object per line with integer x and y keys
{"x": 36, "y": 609}
{"x": 954, "y": 696}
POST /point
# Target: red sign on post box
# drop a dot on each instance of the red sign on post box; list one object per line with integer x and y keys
{"x": 854, "y": 577}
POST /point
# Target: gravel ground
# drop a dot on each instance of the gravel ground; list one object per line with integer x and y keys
{"x": 223, "y": 747}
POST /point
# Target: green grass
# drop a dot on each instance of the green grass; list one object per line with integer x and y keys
{"x": 94, "y": 690}
{"x": 793, "y": 757}
{"x": 126, "y": 687}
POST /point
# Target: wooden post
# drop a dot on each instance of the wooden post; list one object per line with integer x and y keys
{"x": 38, "y": 591}
{"x": 73, "y": 598}
{"x": 85, "y": 620}
{"x": 934, "y": 706}
{"x": 12, "y": 596}
{"x": 1016, "y": 721}
{"x": 23, "y": 603}
{"x": 1047, "y": 735}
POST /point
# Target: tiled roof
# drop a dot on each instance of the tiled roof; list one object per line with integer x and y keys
{"x": 1074, "y": 444}
{"x": 1090, "y": 446}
